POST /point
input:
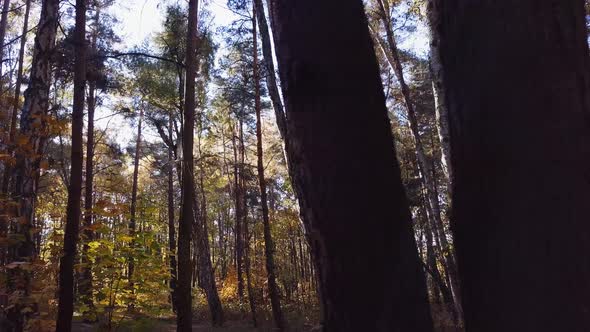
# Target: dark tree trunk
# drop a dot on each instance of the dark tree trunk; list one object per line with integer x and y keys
{"x": 517, "y": 78}
{"x": 171, "y": 227}
{"x": 85, "y": 284}
{"x": 342, "y": 160}
{"x": 184, "y": 295}
{"x": 66, "y": 266}
{"x": 273, "y": 288}
{"x": 238, "y": 190}
{"x": 133, "y": 209}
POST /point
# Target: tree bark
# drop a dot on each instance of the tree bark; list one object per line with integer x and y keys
{"x": 171, "y": 227}
{"x": 238, "y": 192}
{"x": 66, "y": 266}
{"x": 85, "y": 284}
{"x": 273, "y": 288}
{"x": 517, "y": 79}
{"x": 3, "y": 25}
{"x": 247, "y": 266}
{"x": 425, "y": 164}
{"x": 327, "y": 85}
{"x": 33, "y": 123}
{"x": 133, "y": 209}
{"x": 184, "y": 296}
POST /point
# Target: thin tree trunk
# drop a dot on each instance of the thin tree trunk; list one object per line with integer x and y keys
{"x": 133, "y": 209}
{"x": 184, "y": 296}
{"x": 247, "y": 266}
{"x": 426, "y": 165}
{"x": 85, "y": 284}
{"x": 16, "y": 103}
{"x": 205, "y": 266}
{"x": 3, "y": 25}
{"x": 66, "y": 266}
{"x": 238, "y": 212}
{"x": 171, "y": 227}
{"x": 273, "y": 288}
{"x": 518, "y": 90}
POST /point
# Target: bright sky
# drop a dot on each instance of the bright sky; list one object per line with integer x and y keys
{"x": 142, "y": 19}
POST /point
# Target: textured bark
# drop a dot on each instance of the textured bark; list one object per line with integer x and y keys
{"x": 184, "y": 296}
{"x": 273, "y": 288}
{"x": 517, "y": 78}
{"x": 33, "y": 123}
{"x": 425, "y": 164}
{"x": 335, "y": 104}
{"x": 66, "y": 266}
{"x": 133, "y": 209}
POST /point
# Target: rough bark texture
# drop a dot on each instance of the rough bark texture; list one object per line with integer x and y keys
{"x": 184, "y": 296}
{"x": 66, "y": 262}
{"x": 517, "y": 77}
{"x": 238, "y": 195}
{"x": 33, "y": 122}
{"x": 342, "y": 160}
{"x": 273, "y": 288}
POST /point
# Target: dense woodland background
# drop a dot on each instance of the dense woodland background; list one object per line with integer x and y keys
{"x": 255, "y": 182}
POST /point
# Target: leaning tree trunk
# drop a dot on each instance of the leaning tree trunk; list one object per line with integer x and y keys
{"x": 66, "y": 266}
{"x": 426, "y": 165}
{"x": 184, "y": 295}
{"x": 273, "y": 288}
{"x": 517, "y": 79}
{"x": 343, "y": 161}
{"x": 33, "y": 123}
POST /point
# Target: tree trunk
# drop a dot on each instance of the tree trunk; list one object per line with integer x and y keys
{"x": 171, "y": 228}
{"x": 33, "y": 123}
{"x": 336, "y": 107}
{"x": 425, "y": 164}
{"x": 205, "y": 266}
{"x": 517, "y": 79}
{"x": 184, "y": 296}
{"x": 238, "y": 190}
{"x": 3, "y": 25}
{"x": 247, "y": 266}
{"x": 66, "y": 266}
{"x": 133, "y": 209}
{"x": 273, "y": 288}
{"x": 271, "y": 81}
{"x": 438, "y": 90}
{"x": 85, "y": 284}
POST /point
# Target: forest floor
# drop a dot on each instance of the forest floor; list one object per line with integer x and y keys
{"x": 168, "y": 326}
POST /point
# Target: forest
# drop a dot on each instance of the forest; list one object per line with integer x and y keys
{"x": 295, "y": 165}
